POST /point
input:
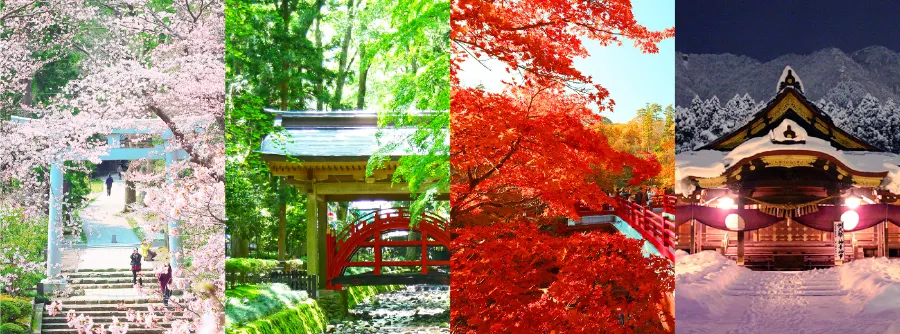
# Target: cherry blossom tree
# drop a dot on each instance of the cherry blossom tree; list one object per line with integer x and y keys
{"x": 162, "y": 63}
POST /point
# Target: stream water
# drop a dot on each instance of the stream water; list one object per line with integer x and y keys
{"x": 415, "y": 309}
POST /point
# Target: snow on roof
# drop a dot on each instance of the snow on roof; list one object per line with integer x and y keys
{"x": 782, "y": 83}
{"x": 712, "y": 163}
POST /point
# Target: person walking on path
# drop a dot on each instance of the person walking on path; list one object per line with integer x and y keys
{"x": 135, "y": 266}
{"x": 639, "y": 197}
{"x": 165, "y": 278}
{"x": 109, "y": 182}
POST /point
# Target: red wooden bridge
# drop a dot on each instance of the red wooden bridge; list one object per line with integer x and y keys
{"x": 381, "y": 248}
{"x": 653, "y": 227}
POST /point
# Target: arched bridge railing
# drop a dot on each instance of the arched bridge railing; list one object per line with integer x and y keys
{"x": 653, "y": 227}
{"x": 380, "y": 248}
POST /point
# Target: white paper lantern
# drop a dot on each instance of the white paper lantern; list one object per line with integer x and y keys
{"x": 850, "y": 219}
{"x": 725, "y": 202}
{"x": 734, "y": 222}
{"x": 852, "y": 202}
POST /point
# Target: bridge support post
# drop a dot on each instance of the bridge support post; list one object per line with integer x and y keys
{"x": 335, "y": 304}
{"x": 54, "y": 282}
{"x": 882, "y": 239}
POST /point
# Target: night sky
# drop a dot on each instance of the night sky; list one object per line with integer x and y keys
{"x": 767, "y": 29}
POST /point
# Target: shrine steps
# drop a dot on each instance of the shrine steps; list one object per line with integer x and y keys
{"x": 769, "y": 283}
{"x": 104, "y": 294}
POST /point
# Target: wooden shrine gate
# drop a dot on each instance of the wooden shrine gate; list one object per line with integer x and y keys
{"x": 366, "y": 251}
{"x": 653, "y": 227}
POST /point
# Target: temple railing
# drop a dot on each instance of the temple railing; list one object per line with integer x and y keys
{"x": 653, "y": 227}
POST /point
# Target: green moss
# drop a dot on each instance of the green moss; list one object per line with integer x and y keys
{"x": 303, "y": 318}
{"x": 245, "y": 304}
{"x": 15, "y": 310}
{"x": 245, "y": 291}
{"x": 358, "y": 294}
{"x": 11, "y": 328}
{"x": 250, "y": 266}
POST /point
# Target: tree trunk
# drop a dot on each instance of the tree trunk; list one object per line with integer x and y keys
{"x": 363, "y": 73}
{"x": 236, "y": 245}
{"x": 282, "y": 228}
{"x": 130, "y": 195}
{"x": 320, "y": 100}
{"x": 343, "y": 210}
{"x": 342, "y": 60}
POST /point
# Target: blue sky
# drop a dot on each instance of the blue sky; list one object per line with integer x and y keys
{"x": 632, "y": 78}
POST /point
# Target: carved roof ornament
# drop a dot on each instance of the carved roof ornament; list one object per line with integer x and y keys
{"x": 805, "y": 119}
{"x": 789, "y": 79}
{"x": 788, "y": 132}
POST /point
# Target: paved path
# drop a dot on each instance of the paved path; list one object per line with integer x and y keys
{"x": 100, "y": 258}
{"x": 103, "y": 219}
{"x": 809, "y": 302}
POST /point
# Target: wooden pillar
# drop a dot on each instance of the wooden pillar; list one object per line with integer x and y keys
{"x": 883, "y": 239}
{"x": 693, "y": 236}
{"x": 740, "y": 234}
{"x": 322, "y": 206}
{"x": 312, "y": 236}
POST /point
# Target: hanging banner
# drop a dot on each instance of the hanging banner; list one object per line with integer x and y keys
{"x": 838, "y": 241}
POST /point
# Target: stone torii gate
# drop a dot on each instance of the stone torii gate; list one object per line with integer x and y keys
{"x": 325, "y": 155}
{"x": 54, "y": 282}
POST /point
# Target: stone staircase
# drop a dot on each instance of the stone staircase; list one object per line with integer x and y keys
{"x": 103, "y": 290}
{"x": 772, "y": 283}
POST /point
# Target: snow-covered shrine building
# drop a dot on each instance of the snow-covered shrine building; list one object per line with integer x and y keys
{"x": 789, "y": 190}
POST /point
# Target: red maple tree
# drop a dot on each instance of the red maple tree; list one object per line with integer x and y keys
{"x": 518, "y": 279}
{"x": 523, "y": 159}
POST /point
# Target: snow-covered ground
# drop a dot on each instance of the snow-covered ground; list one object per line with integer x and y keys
{"x": 714, "y": 295}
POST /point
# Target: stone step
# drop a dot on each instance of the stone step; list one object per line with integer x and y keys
{"x": 98, "y": 318}
{"x": 64, "y": 325}
{"x": 127, "y": 285}
{"x": 124, "y": 270}
{"x": 770, "y": 293}
{"x": 106, "y": 305}
{"x": 110, "y": 280}
{"x": 106, "y": 300}
{"x": 82, "y": 274}
{"x": 131, "y": 330}
{"x": 110, "y": 313}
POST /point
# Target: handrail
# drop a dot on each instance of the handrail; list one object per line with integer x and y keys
{"x": 366, "y": 232}
{"x": 653, "y": 227}
{"x": 667, "y": 202}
